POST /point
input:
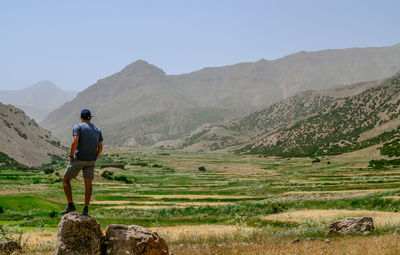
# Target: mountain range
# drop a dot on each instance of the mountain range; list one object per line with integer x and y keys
{"x": 141, "y": 105}
{"x": 38, "y": 100}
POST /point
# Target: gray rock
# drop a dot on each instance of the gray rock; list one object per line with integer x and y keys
{"x": 297, "y": 240}
{"x": 78, "y": 235}
{"x": 351, "y": 226}
{"x": 327, "y": 241}
{"x": 134, "y": 240}
{"x": 9, "y": 247}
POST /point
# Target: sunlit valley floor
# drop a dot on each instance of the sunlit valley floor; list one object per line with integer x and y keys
{"x": 232, "y": 205}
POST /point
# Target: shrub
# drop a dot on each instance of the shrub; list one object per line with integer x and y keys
{"x": 8, "y": 233}
{"x": 123, "y": 178}
{"x": 107, "y": 175}
{"x": 328, "y": 163}
{"x": 53, "y": 214}
{"x": 202, "y": 169}
{"x": 48, "y": 171}
{"x": 168, "y": 169}
{"x": 1, "y": 210}
{"x": 36, "y": 181}
{"x": 316, "y": 160}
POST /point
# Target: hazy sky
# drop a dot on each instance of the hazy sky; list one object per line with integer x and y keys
{"x": 75, "y": 43}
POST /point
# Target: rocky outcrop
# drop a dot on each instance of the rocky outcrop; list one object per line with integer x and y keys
{"x": 121, "y": 239}
{"x": 9, "y": 247}
{"x": 351, "y": 226}
{"x": 78, "y": 235}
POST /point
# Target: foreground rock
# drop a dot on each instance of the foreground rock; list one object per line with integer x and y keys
{"x": 78, "y": 235}
{"x": 351, "y": 226}
{"x": 9, "y": 247}
{"x": 137, "y": 240}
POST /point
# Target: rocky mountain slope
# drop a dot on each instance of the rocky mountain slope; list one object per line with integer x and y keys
{"x": 237, "y": 132}
{"x": 38, "y": 100}
{"x": 344, "y": 124}
{"x": 141, "y": 105}
{"x": 23, "y": 140}
{"x": 137, "y": 106}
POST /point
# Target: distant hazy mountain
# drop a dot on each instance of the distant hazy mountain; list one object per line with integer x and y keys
{"x": 37, "y": 100}
{"x": 262, "y": 83}
{"x": 24, "y": 140}
{"x": 141, "y": 105}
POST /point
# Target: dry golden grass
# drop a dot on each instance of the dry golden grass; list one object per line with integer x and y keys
{"x": 200, "y": 232}
{"x": 239, "y": 168}
{"x": 143, "y": 207}
{"x": 157, "y": 205}
{"x": 388, "y": 244}
{"x": 114, "y": 202}
{"x": 381, "y": 219}
{"x": 375, "y": 245}
{"x": 192, "y": 196}
{"x": 335, "y": 191}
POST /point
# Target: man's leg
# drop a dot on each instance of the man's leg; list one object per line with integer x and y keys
{"x": 71, "y": 172}
{"x": 68, "y": 193}
{"x": 88, "y": 176}
{"x": 67, "y": 188}
{"x": 88, "y": 190}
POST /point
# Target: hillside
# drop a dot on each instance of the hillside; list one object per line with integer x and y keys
{"x": 25, "y": 141}
{"x": 135, "y": 107}
{"x": 258, "y": 84}
{"x": 346, "y": 124}
{"x": 38, "y": 100}
{"x": 253, "y": 126}
{"x": 141, "y": 105}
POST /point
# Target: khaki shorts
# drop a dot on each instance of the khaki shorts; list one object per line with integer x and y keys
{"x": 76, "y": 166}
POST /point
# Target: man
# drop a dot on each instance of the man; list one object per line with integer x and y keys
{"x": 86, "y": 147}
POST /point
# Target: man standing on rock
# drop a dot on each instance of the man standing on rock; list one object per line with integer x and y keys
{"x": 86, "y": 148}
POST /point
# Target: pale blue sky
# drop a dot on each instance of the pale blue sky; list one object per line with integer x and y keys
{"x": 75, "y": 43}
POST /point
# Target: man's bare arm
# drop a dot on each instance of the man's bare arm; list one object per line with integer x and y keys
{"x": 99, "y": 150}
{"x": 74, "y": 145}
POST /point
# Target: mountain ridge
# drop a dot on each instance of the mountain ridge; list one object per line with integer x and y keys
{"x": 141, "y": 90}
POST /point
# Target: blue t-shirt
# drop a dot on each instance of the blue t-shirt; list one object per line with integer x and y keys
{"x": 89, "y": 138}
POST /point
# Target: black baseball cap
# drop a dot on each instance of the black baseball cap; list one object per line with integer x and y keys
{"x": 86, "y": 114}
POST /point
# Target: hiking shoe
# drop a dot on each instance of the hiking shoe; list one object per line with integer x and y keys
{"x": 85, "y": 210}
{"x": 68, "y": 209}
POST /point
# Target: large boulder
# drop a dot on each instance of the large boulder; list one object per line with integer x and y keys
{"x": 134, "y": 240}
{"x": 351, "y": 226}
{"x": 78, "y": 235}
{"x": 9, "y": 247}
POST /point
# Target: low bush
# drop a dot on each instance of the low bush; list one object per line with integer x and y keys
{"x": 8, "y": 233}
{"x": 107, "y": 175}
{"x": 48, "y": 170}
{"x": 316, "y": 160}
{"x": 202, "y": 169}
{"x": 123, "y": 178}
{"x": 53, "y": 214}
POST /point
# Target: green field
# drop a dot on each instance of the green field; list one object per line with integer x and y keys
{"x": 230, "y": 200}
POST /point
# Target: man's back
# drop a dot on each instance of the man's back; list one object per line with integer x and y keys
{"x": 89, "y": 138}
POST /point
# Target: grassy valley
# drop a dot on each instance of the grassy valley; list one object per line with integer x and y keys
{"x": 201, "y": 202}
